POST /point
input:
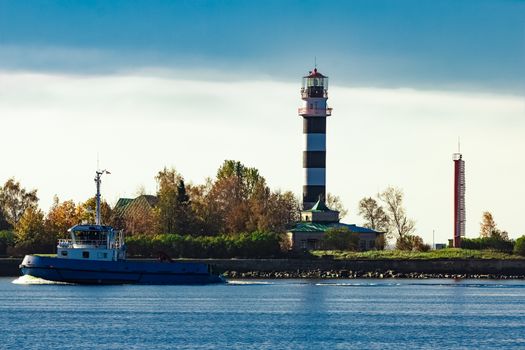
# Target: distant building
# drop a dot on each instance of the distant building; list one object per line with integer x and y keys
{"x": 135, "y": 215}
{"x": 308, "y": 234}
{"x": 439, "y": 246}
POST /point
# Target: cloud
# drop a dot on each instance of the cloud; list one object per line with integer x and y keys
{"x": 53, "y": 125}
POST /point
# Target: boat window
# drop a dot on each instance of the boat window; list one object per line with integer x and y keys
{"x": 85, "y": 255}
{"x": 64, "y": 253}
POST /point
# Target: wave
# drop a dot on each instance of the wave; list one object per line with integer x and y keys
{"x": 237, "y": 282}
{"x": 27, "y": 279}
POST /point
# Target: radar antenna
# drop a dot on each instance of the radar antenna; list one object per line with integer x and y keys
{"x": 98, "y": 181}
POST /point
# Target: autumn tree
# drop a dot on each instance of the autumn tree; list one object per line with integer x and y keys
{"x": 374, "y": 215}
{"x": 398, "y": 223}
{"x": 234, "y": 193}
{"x": 30, "y": 226}
{"x": 284, "y": 210}
{"x": 14, "y": 200}
{"x": 61, "y": 217}
{"x": 207, "y": 218}
{"x": 488, "y": 227}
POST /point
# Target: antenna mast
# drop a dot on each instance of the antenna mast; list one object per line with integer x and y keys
{"x": 98, "y": 181}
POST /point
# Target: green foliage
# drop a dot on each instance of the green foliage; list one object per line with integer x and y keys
{"x": 340, "y": 238}
{"x": 449, "y": 253}
{"x": 7, "y": 239}
{"x": 245, "y": 245}
{"x": 174, "y": 207}
{"x": 493, "y": 242}
{"x": 519, "y": 246}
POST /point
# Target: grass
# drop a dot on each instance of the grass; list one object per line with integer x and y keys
{"x": 449, "y": 253}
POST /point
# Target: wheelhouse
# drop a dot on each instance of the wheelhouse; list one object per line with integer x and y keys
{"x": 93, "y": 242}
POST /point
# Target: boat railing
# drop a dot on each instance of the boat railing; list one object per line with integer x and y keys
{"x": 68, "y": 243}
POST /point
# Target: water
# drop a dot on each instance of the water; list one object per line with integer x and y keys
{"x": 266, "y": 314}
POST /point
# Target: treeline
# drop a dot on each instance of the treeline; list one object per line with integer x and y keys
{"x": 237, "y": 200}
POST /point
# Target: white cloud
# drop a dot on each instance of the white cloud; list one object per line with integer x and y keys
{"x": 52, "y": 127}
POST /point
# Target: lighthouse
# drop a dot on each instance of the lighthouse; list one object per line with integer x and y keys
{"x": 314, "y": 93}
{"x": 316, "y": 217}
{"x": 459, "y": 199}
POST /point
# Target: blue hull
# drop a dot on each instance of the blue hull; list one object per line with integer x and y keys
{"x": 117, "y": 272}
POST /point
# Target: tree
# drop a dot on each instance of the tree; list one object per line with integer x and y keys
{"x": 4, "y": 225}
{"x": 373, "y": 213}
{"x": 239, "y": 194}
{"x": 174, "y": 207}
{"x": 334, "y": 202}
{"x": 487, "y": 225}
{"x": 14, "y": 200}
{"x": 167, "y": 180}
{"x": 398, "y": 223}
{"x": 87, "y": 211}
{"x": 207, "y": 219}
{"x": 488, "y": 228}
{"x": 340, "y": 238}
{"x": 30, "y": 226}
{"x": 519, "y": 246}
{"x": 183, "y": 211}
{"x": 61, "y": 217}
{"x": 412, "y": 243}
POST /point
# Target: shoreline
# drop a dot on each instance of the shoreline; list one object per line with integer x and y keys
{"x": 347, "y": 269}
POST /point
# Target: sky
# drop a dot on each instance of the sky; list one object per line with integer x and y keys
{"x": 148, "y": 84}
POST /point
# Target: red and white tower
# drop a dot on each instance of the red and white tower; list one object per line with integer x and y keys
{"x": 459, "y": 199}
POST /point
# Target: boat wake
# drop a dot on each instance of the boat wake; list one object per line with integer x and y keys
{"x": 247, "y": 282}
{"x": 357, "y": 284}
{"x": 27, "y": 279}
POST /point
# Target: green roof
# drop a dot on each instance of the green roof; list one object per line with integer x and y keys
{"x": 317, "y": 227}
{"x": 121, "y": 205}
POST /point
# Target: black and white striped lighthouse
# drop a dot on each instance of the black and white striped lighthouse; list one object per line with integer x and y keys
{"x": 314, "y": 93}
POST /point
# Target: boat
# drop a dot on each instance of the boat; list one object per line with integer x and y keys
{"x": 96, "y": 254}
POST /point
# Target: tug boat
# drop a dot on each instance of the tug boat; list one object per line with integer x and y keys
{"x": 96, "y": 254}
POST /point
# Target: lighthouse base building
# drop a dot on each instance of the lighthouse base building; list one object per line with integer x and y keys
{"x": 308, "y": 234}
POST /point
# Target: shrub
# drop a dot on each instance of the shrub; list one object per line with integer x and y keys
{"x": 493, "y": 243}
{"x": 7, "y": 239}
{"x": 340, "y": 238}
{"x": 244, "y": 245}
{"x": 519, "y": 246}
{"x": 412, "y": 243}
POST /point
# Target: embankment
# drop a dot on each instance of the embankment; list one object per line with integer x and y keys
{"x": 319, "y": 268}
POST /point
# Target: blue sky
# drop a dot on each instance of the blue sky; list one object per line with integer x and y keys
{"x": 429, "y": 44}
{"x": 191, "y": 83}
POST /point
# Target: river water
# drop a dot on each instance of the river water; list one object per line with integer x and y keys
{"x": 265, "y": 314}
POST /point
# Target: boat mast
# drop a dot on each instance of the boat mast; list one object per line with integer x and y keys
{"x": 98, "y": 180}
